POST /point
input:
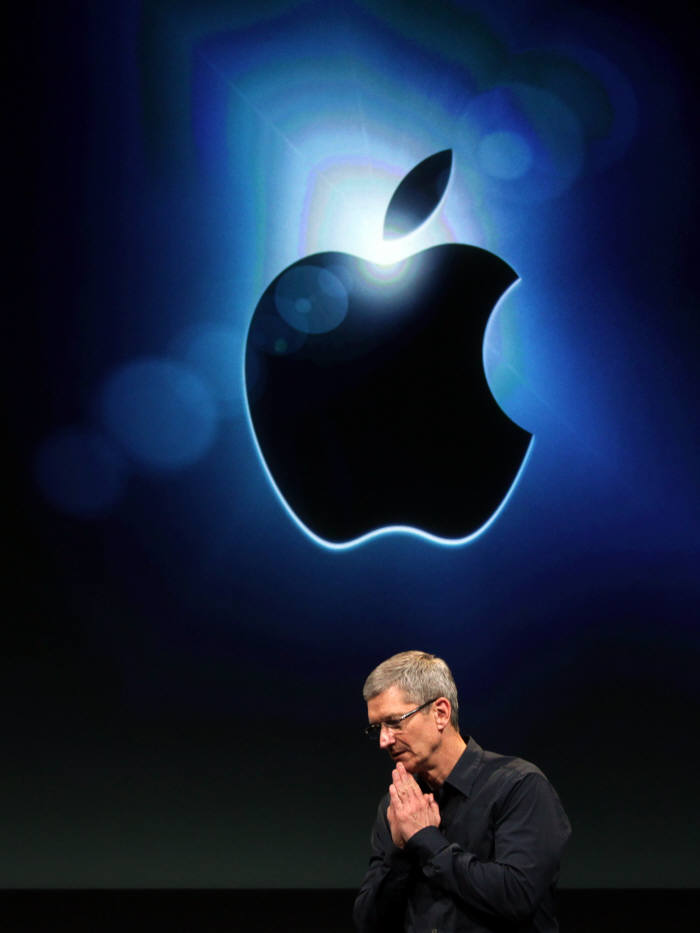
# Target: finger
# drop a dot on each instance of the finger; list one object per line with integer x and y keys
{"x": 403, "y": 773}
{"x": 396, "y": 804}
{"x": 406, "y": 787}
{"x": 406, "y": 778}
{"x": 408, "y": 784}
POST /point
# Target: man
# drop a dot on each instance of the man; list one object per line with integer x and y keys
{"x": 465, "y": 839}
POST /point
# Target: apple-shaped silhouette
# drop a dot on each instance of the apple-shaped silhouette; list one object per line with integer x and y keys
{"x": 366, "y": 386}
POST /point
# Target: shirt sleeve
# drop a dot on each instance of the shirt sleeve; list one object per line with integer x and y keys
{"x": 381, "y": 901}
{"x": 531, "y": 831}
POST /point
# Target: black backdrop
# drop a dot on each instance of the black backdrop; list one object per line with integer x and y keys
{"x": 181, "y": 663}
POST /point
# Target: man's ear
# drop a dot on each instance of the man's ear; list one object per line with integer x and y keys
{"x": 442, "y": 710}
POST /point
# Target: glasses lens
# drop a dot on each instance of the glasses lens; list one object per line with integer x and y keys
{"x": 372, "y": 732}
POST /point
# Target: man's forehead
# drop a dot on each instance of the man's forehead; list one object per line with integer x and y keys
{"x": 391, "y": 701}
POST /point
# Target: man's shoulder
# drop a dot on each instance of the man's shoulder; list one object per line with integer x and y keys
{"x": 509, "y": 764}
{"x": 480, "y": 770}
{"x": 508, "y": 770}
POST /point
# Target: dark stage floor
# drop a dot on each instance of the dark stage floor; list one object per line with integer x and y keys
{"x": 305, "y": 911}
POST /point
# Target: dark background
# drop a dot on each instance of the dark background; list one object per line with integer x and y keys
{"x": 182, "y": 664}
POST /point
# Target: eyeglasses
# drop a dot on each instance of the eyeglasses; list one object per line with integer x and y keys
{"x": 374, "y": 729}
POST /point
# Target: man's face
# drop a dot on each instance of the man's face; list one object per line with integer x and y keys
{"x": 415, "y": 740}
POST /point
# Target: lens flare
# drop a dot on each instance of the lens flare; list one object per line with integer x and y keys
{"x": 160, "y": 412}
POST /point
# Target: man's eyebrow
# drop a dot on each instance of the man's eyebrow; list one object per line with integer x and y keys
{"x": 386, "y": 719}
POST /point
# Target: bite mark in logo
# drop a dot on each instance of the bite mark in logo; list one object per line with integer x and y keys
{"x": 366, "y": 387}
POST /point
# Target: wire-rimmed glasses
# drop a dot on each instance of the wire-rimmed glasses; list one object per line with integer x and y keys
{"x": 374, "y": 729}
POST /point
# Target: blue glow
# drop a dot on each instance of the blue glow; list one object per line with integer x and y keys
{"x": 160, "y": 412}
{"x": 606, "y": 103}
{"x": 505, "y": 357}
{"x": 311, "y": 299}
{"x": 211, "y": 350}
{"x": 329, "y": 157}
{"x": 318, "y": 159}
{"x": 505, "y": 154}
{"x": 80, "y": 472}
{"x": 527, "y": 143}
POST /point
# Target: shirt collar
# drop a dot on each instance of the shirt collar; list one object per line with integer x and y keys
{"x": 464, "y": 773}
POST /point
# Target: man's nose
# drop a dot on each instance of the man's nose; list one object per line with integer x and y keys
{"x": 386, "y": 736}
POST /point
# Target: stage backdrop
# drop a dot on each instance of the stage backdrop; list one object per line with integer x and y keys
{"x": 183, "y": 656}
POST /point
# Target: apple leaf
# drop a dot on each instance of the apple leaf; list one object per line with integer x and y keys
{"x": 418, "y": 195}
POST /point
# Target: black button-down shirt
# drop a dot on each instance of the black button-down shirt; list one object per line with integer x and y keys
{"x": 492, "y": 865}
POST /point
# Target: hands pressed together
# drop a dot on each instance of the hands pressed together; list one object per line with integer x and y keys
{"x": 410, "y": 810}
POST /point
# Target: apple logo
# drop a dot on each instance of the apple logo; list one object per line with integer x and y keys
{"x": 366, "y": 388}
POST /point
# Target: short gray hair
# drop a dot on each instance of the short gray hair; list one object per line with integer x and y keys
{"x": 420, "y": 675}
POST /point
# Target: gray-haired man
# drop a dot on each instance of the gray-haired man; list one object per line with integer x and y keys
{"x": 465, "y": 839}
